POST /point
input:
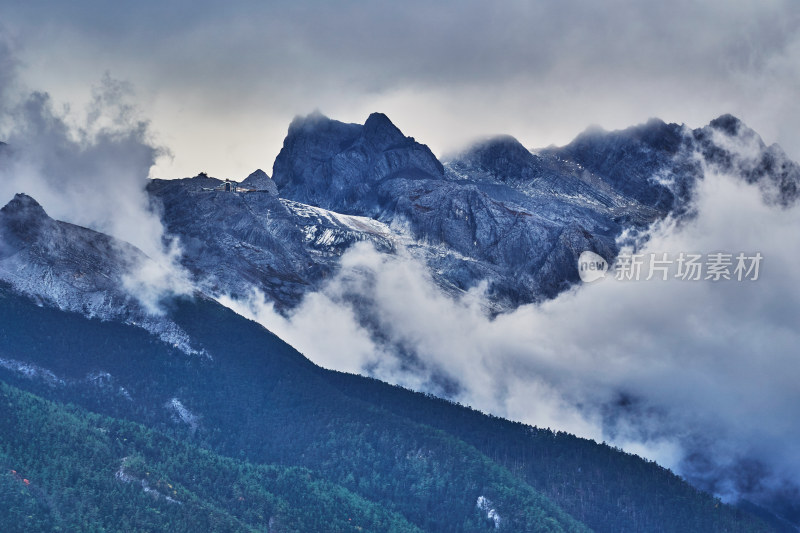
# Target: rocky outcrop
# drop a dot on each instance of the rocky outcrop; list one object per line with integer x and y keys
{"x": 235, "y": 242}
{"x": 339, "y": 166}
{"x": 259, "y": 181}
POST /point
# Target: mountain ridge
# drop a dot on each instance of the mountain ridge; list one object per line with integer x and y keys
{"x": 497, "y": 212}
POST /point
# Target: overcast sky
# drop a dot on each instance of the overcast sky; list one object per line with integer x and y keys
{"x": 220, "y": 82}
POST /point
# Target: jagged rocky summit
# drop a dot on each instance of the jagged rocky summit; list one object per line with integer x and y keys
{"x": 497, "y": 212}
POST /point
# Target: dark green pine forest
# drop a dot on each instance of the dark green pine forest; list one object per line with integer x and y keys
{"x": 276, "y": 443}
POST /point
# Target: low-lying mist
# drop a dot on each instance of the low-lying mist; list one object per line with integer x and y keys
{"x": 700, "y": 376}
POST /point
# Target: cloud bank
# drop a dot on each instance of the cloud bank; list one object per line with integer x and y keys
{"x": 698, "y": 375}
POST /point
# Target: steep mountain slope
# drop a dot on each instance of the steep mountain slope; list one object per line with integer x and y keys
{"x": 730, "y": 146}
{"x": 504, "y": 161}
{"x": 338, "y": 166}
{"x": 262, "y": 401}
{"x": 442, "y": 467}
{"x": 636, "y": 162}
{"x": 656, "y": 163}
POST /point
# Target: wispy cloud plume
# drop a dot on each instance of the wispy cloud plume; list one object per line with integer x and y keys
{"x": 90, "y": 168}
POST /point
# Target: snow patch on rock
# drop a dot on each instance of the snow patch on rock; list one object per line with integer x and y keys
{"x": 485, "y": 505}
{"x": 31, "y": 371}
{"x": 122, "y": 475}
{"x": 181, "y": 414}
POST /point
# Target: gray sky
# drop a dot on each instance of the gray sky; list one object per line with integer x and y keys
{"x": 221, "y": 82}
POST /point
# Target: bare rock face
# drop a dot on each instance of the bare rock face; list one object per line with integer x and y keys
{"x": 61, "y": 262}
{"x": 498, "y": 213}
{"x": 339, "y": 166}
{"x": 731, "y": 147}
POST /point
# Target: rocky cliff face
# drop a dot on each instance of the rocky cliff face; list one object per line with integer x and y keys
{"x": 657, "y": 163}
{"x": 235, "y": 242}
{"x": 729, "y": 146}
{"x": 634, "y": 162}
{"x": 339, "y": 166}
{"x": 60, "y": 263}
